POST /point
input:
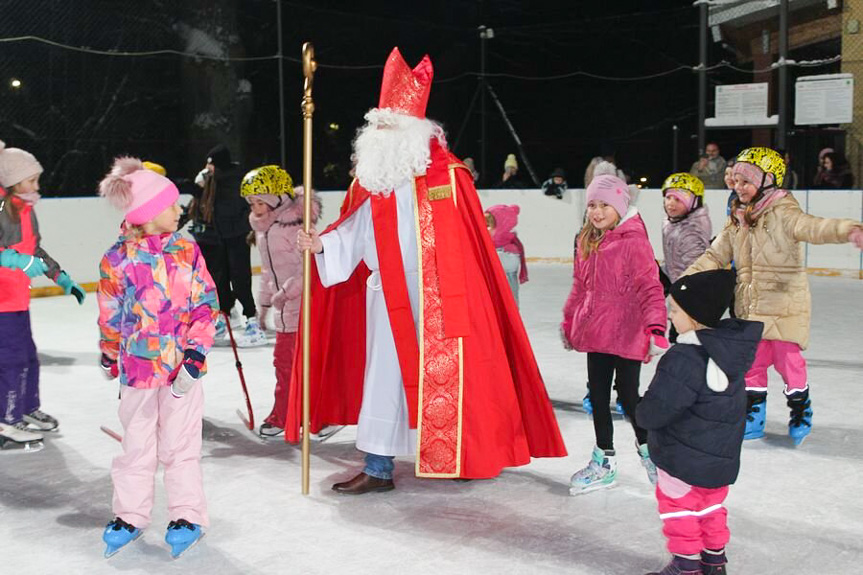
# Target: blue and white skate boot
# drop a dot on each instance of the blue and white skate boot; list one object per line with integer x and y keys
{"x": 587, "y": 405}
{"x": 756, "y": 415}
{"x": 117, "y": 535}
{"x": 800, "y": 423}
{"x": 182, "y": 535}
{"x": 618, "y": 407}
{"x": 646, "y": 462}
{"x": 253, "y": 335}
{"x": 599, "y": 473}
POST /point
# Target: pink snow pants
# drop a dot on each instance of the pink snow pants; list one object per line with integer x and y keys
{"x": 785, "y": 357}
{"x": 160, "y": 428}
{"x": 283, "y": 360}
{"x": 693, "y": 518}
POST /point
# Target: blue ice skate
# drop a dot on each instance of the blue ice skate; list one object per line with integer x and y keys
{"x": 117, "y": 535}
{"x": 800, "y": 422}
{"x": 756, "y": 415}
{"x": 587, "y": 405}
{"x": 182, "y": 535}
{"x": 618, "y": 407}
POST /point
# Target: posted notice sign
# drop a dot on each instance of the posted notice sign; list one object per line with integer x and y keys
{"x": 741, "y": 103}
{"x": 824, "y": 99}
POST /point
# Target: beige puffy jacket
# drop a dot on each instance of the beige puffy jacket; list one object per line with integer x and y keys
{"x": 772, "y": 286}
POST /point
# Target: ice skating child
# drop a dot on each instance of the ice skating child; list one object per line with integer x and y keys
{"x": 686, "y": 229}
{"x": 501, "y": 221}
{"x": 276, "y": 217}
{"x": 616, "y": 314}
{"x": 763, "y": 238}
{"x": 157, "y": 312}
{"x": 21, "y": 259}
{"x": 694, "y": 412}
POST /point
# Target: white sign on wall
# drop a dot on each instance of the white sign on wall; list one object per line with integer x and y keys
{"x": 824, "y": 99}
{"x": 741, "y": 103}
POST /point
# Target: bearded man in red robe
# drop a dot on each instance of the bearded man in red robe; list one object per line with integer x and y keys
{"x": 416, "y": 336}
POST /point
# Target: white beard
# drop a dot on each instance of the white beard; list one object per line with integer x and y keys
{"x": 392, "y": 148}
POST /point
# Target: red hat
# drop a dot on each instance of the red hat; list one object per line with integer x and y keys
{"x": 404, "y": 90}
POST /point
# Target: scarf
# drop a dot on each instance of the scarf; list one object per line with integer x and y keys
{"x": 755, "y": 210}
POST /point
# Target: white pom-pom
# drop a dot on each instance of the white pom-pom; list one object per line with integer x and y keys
{"x": 115, "y": 187}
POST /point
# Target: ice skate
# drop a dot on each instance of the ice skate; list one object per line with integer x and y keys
{"x": 713, "y": 563}
{"x": 252, "y": 336}
{"x": 599, "y": 473}
{"x": 41, "y": 421}
{"x": 117, "y": 535}
{"x": 221, "y": 339}
{"x": 586, "y": 404}
{"x": 326, "y": 432}
{"x": 270, "y": 431}
{"x": 680, "y": 566}
{"x": 647, "y": 463}
{"x": 800, "y": 423}
{"x": 19, "y": 437}
{"x": 182, "y": 536}
{"x": 618, "y": 408}
{"x": 756, "y": 415}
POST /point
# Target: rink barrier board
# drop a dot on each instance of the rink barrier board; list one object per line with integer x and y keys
{"x": 77, "y": 231}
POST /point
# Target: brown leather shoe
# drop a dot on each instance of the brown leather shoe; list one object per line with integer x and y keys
{"x": 363, "y": 483}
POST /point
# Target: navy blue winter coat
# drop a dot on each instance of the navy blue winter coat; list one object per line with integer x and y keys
{"x": 694, "y": 432}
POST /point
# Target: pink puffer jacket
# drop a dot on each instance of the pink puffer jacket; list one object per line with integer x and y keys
{"x": 281, "y": 262}
{"x": 616, "y": 295}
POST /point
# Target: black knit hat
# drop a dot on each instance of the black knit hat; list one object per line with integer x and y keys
{"x": 706, "y": 295}
{"x": 220, "y": 157}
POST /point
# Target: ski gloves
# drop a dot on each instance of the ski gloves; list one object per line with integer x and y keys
{"x": 182, "y": 378}
{"x": 657, "y": 343}
{"x": 70, "y": 287}
{"x": 187, "y": 373}
{"x": 30, "y": 265}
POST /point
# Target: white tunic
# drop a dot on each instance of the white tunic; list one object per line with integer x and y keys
{"x": 383, "y": 427}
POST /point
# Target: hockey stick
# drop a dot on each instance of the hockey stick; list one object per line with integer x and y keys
{"x": 111, "y": 433}
{"x": 250, "y": 422}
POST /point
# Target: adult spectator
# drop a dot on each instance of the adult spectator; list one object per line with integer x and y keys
{"x": 791, "y": 178}
{"x": 710, "y": 168}
{"x": 510, "y": 179}
{"x": 835, "y": 173}
{"x": 471, "y": 165}
{"x": 220, "y": 224}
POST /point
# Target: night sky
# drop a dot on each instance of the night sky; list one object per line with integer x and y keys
{"x": 77, "y": 110}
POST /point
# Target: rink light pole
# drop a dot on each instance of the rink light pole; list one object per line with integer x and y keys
{"x": 308, "y": 107}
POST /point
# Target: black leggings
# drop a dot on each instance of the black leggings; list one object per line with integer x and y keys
{"x": 229, "y": 262}
{"x": 600, "y": 372}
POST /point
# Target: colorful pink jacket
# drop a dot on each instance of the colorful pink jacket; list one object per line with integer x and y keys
{"x": 616, "y": 295}
{"x": 156, "y": 300}
{"x": 281, "y": 261}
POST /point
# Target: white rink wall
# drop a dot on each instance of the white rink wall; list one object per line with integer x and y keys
{"x": 77, "y": 231}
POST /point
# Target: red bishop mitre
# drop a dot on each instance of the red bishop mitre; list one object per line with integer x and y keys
{"x": 404, "y": 90}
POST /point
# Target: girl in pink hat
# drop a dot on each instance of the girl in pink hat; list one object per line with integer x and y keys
{"x": 501, "y": 221}
{"x": 157, "y": 312}
{"x": 21, "y": 259}
{"x": 616, "y": 314}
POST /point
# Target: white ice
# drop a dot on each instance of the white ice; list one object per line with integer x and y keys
{"x": 792, "y": 509}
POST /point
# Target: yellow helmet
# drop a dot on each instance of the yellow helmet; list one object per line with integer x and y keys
{"x": 769, "y": 161}
{"x": 267, "y": 180}
{"x": 684, "y": 181}
{"x": 154, "y": 167}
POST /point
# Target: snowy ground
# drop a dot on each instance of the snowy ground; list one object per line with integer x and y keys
{"x": 792, "y": 510}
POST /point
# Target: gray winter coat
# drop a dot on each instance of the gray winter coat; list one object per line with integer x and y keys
{"x": 684, "y": 241}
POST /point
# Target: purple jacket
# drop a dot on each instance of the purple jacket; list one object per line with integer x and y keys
{"x": 281, "y": 262}
{"x": 616, "y": 295}
{"x": 684, "y": 241}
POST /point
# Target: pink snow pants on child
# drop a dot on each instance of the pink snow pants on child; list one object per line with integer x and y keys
{"x": 160, "y": 428}
{"x": 785, "y": 357}
{"x": 693, "y": 518}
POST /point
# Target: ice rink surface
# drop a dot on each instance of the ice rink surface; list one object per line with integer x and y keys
{"x": 792, "y": 510}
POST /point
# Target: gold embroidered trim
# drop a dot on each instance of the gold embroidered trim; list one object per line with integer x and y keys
{"x": 439, "y": 193}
